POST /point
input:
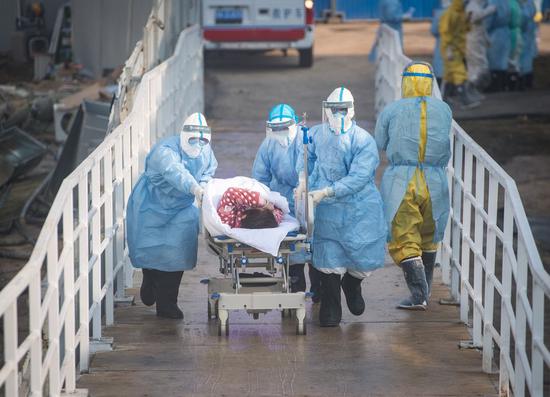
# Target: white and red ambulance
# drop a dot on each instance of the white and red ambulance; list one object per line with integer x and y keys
{"x": 259, "y": 25}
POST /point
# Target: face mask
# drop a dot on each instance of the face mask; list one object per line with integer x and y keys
{"x": 193, "y": 143}
{"x": 339, "y": 121}
{"x": 284, "y": 135}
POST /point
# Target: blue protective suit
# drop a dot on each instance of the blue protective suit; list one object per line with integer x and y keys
{"x": 529, "y": 36}
{"x": 350, "y": 231}
{"x": 162, "y": 222}
{"x": 397, "y": 132}
{"x": 498, "y": 29}
{"x": 437, "y": 61}
{"x": 391, "y": 13}
{"x": 275, "y": 167}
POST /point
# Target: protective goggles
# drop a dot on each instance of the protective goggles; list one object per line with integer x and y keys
{"x": 197, "y": 129}
{"x": 279, "y": 126}
{"x": 198, "y": 141}
{"x": 338, "y": 107}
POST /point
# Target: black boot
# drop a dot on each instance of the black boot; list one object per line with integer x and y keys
{"x": 466, "y": 101}
{"x": 501, "y": 80}
{"x": 428, "y": 258}
{"x": 528, "y": 80}
{"x": 494, "y": 84}
{"x": 449, "y": 92}
{"x": 352, "y": 291}
{"x": 315, "y": 282}
{"x": 512, "y": 81}
{"x": 413, "y": 268}
{"x": 330, "y": 312}
{"x": 146, "y": 292}
{"x": 297, "y": 277}
{"x": 166, "y": 291}
{"x": 473, "y": 92}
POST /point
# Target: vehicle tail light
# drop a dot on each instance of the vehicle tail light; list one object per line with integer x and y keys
{"x": 308, "y": 4}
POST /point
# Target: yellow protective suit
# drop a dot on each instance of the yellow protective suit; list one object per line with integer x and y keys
{"x": 414, "y": 132}
{"x": 453, "y": 28}
{"x": 413, "y": 226}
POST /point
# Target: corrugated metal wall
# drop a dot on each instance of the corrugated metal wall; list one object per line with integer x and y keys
{"x": 8, "y": 13}
{"x": 368, "y": 9}
{"x": 105, "y": 31}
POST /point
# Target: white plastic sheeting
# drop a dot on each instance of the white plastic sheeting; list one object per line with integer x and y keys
{"x": 268, "y": 240}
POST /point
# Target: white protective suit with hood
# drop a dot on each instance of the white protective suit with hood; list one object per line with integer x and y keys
{"x": 477, "y": 42}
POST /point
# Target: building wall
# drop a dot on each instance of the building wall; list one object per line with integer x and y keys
{"x": 7, "y": 23}
{"x": 106, "y": 31}
{"x": 368, "y": 9}
{"x": 8, "y": 14}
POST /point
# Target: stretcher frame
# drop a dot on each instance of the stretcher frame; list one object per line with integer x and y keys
{"x": 256, "y": 295}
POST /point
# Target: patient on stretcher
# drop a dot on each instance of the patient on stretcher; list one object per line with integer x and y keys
{"x": 271, "y": 235}
{"x": 245, "y": 208}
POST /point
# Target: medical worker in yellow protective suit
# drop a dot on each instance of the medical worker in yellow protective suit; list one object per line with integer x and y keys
{"x": 453, "y": 27}
{"x": 415, "y": 133}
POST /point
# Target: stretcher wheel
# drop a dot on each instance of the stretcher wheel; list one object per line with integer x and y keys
{"x": 212, "y": 313}
{"x": 286, "y": 313}
{"x": 223, "y": 328}
{"x": 301, "y": 328}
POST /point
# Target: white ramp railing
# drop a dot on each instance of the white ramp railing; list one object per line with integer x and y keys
{"x": 76, "y": 270}
{"x": 488, "y": 256}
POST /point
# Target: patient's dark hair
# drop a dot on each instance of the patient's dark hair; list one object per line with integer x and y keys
{"x": 259, "y": 218}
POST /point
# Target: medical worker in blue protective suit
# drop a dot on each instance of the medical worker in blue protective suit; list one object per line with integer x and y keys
{"x": 437, "y": 61}
{"x": 275, "y": 166}
{"x": 162, "y": 222}
{"x": 529, "y": 49}
{"x": 415, "y": 133}
{"x": 500, "y": 43}
{"x": 349, "y": 230}
{"x": 391, "y": 14}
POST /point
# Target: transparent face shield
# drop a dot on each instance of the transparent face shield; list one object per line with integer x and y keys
{"x": 194, "y": 138}
{"x": 283, "y": 132}
{"x": 417, "y": 80}
{"x": 338, "y": 116}
{"x": 199, "y": 129}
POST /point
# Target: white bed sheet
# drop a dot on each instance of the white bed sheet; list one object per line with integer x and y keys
{"x": 265, "y": 240}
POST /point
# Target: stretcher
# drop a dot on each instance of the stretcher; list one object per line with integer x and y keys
{"x": 255, "y": 281}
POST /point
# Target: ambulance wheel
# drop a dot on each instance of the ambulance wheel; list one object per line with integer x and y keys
{"x": 306, "y": 57}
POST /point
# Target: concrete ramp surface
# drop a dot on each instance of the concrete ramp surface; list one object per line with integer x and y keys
{"x": 384, "y": 352}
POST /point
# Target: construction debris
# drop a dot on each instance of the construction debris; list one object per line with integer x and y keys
{"x": 20, "y": 150}
{"x": 42, "y": 108}
{"x": 13, "y": 90}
